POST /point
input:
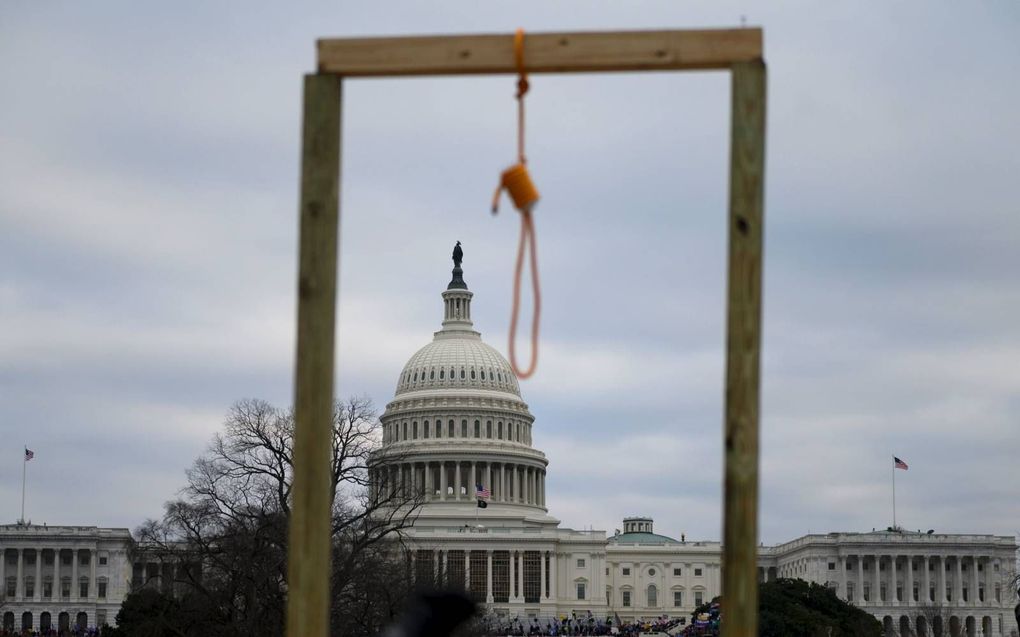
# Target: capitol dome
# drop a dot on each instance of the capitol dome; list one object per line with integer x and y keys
{"x": 457, "y": 363}
{"x": 457, "y": 425}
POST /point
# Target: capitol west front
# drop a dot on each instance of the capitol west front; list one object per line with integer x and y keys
{"x": 457, "y": 420}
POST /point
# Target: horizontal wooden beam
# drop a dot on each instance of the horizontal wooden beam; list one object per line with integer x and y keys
{"x": 543, "y": 53}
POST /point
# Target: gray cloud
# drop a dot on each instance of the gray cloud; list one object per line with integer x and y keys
{"x": 148, "y": 172}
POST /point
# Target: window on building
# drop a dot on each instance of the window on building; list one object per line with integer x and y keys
{"x": 866, "y": 592}
{"x": 12, "y": 587}
{"x": 626, "y": 570}
{"x": 100, "y": 617}
{"x": 699, "y": 598}
{"x": 404, "y": 437}
{"x": 931, "y": 594}
{"x": 864, "y": 566}
{"x": 425, "y": 429}
{"x": 47, "y": 589}
{"x": 580, "y": 590}
{"x": 678, "y": 599}
{"x": 29, "y": 587}
{"x": 981, "y": 567}
{"x": 981, "y": 593}
{"x": 651, "y": 572}
{"x": 899, "y": 593}
{"x": 499, "y": 431}
{"x": 626, "y": 598}
{"x": 697, "y": 572}
{"x": 849, "y": 565}
{"x": 478, "y": 429}
{"x": 463, "y": 429}
{"x": 850, "y": 591}
{"x": 83, "y": 559}
{"x": 653, "y": 596}
{"x": 414, "y": 430}
{"x": 83, "y": 588}
{"x": 65, "y": 588}
{"x": 580, "y": 563}
{"x": 949, "y": 593}
{"x": 917, "y": 592}
{"x": 102, "y": 589}
{"x": 48, "y": 559}
{"x": 677, "y": 572}
{"x": 998, "y": 593}
{"x": 832, "y": 566}
{"x": 881, "y": 592}
{"x": 965, "y": 594}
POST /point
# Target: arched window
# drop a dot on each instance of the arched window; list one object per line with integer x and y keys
{"x": 463, "y": 428}
{"x": 472, "y": 373}
{"x": 488, "y": 429}
{"x": 442, "y": 374}
{"x": 414, "y": 430}
{"x": 432, "y": 374}
{"x": 478, "y": 429}
{"x": 439, "y": 428}
{"x": 404, "y": 437}
{"x": 499, "y": 430}
{"x": 449, "y": 428}
{"x": 483, "y": 374}
{"x": 462, "y": 373}
{"x": 653, "y": 596}
{"x": 425, "y": 429}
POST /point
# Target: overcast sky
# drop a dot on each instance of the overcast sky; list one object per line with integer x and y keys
{"x": 148, "y": 201}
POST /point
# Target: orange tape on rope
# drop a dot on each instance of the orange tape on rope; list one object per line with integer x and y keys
{"x": 524, "y": 195}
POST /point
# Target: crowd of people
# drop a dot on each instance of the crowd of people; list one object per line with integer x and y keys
{"x": 583, "y": 626}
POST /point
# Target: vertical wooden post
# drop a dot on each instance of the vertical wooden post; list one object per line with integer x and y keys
{"x": 309, "y": 551}
{"x": 743, "y": 344}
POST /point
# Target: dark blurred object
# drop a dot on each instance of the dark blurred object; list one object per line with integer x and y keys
{"x": 433, "y": 614}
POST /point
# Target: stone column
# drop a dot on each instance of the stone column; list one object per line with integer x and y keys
{"x": 442, "y": 480}
{"x": 940, "y": 579}
{"x": 474, "y": 479}
{"x": 19, "y": 583}
{"x": 457, "y": 480}
{"x": 973, "y": 594}
{"x": 513, "y": 579}
{"x": 93, "y": 559}
{"x": 517, "y": 483}
{"x": 925, "y": 581}
{"x": 430, "y": 489}
{"x": 958, "y": 581}
{"x": 909, "y": 583}
{"x": 56, "y": 574}
{"x": 520, "y": 575}
{"x": 37, "y": 592}
{"x": 445, "y": 578}
{"x": 467, "y": 571}
{"x": 876, "y": 585}
{"x": 488, "y": 576}
{"x": 74, "y": 575}
{"x": 893, "y": 578}
{"x": 841, "y": 593}
{"x": 553, "y": 584}
{"x": 544, "y": 590}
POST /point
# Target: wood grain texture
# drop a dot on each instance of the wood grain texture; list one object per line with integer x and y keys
{"x": 543, "y": 52}
{"x": 743, "y": 346}
{"x": 308, "y": 573}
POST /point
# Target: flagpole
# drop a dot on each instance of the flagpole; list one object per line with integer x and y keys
{"x": 894, "y": 494}
{"x": 24, "y": 466}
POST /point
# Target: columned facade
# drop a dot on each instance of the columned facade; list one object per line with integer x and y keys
{"x": 914, "y": 583}
{"x": 62, "y": 576}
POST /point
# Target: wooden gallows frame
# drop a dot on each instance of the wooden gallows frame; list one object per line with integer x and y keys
{"x": 736, "y": 50}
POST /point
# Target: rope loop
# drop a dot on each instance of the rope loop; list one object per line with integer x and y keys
{"x": 518, "y": 184}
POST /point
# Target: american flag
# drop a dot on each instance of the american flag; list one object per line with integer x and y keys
{"x": 899, "y": 464}
{"x": 482, "y": 493}
{"x": 29, "y": 454}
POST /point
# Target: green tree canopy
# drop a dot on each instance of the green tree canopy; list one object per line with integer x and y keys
{"x": 795, "y": 608}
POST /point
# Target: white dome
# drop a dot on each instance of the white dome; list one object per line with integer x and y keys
{"x": 460, "y": 362}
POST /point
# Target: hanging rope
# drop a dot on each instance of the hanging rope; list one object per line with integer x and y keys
{"x": 524, "y": 195}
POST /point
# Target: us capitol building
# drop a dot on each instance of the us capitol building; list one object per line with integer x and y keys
{"x": 458, "y": 420}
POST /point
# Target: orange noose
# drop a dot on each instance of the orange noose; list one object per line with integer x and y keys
{"x": 524, "y": 195}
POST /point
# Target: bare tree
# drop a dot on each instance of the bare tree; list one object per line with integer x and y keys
{"x": 226, "y": 535}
